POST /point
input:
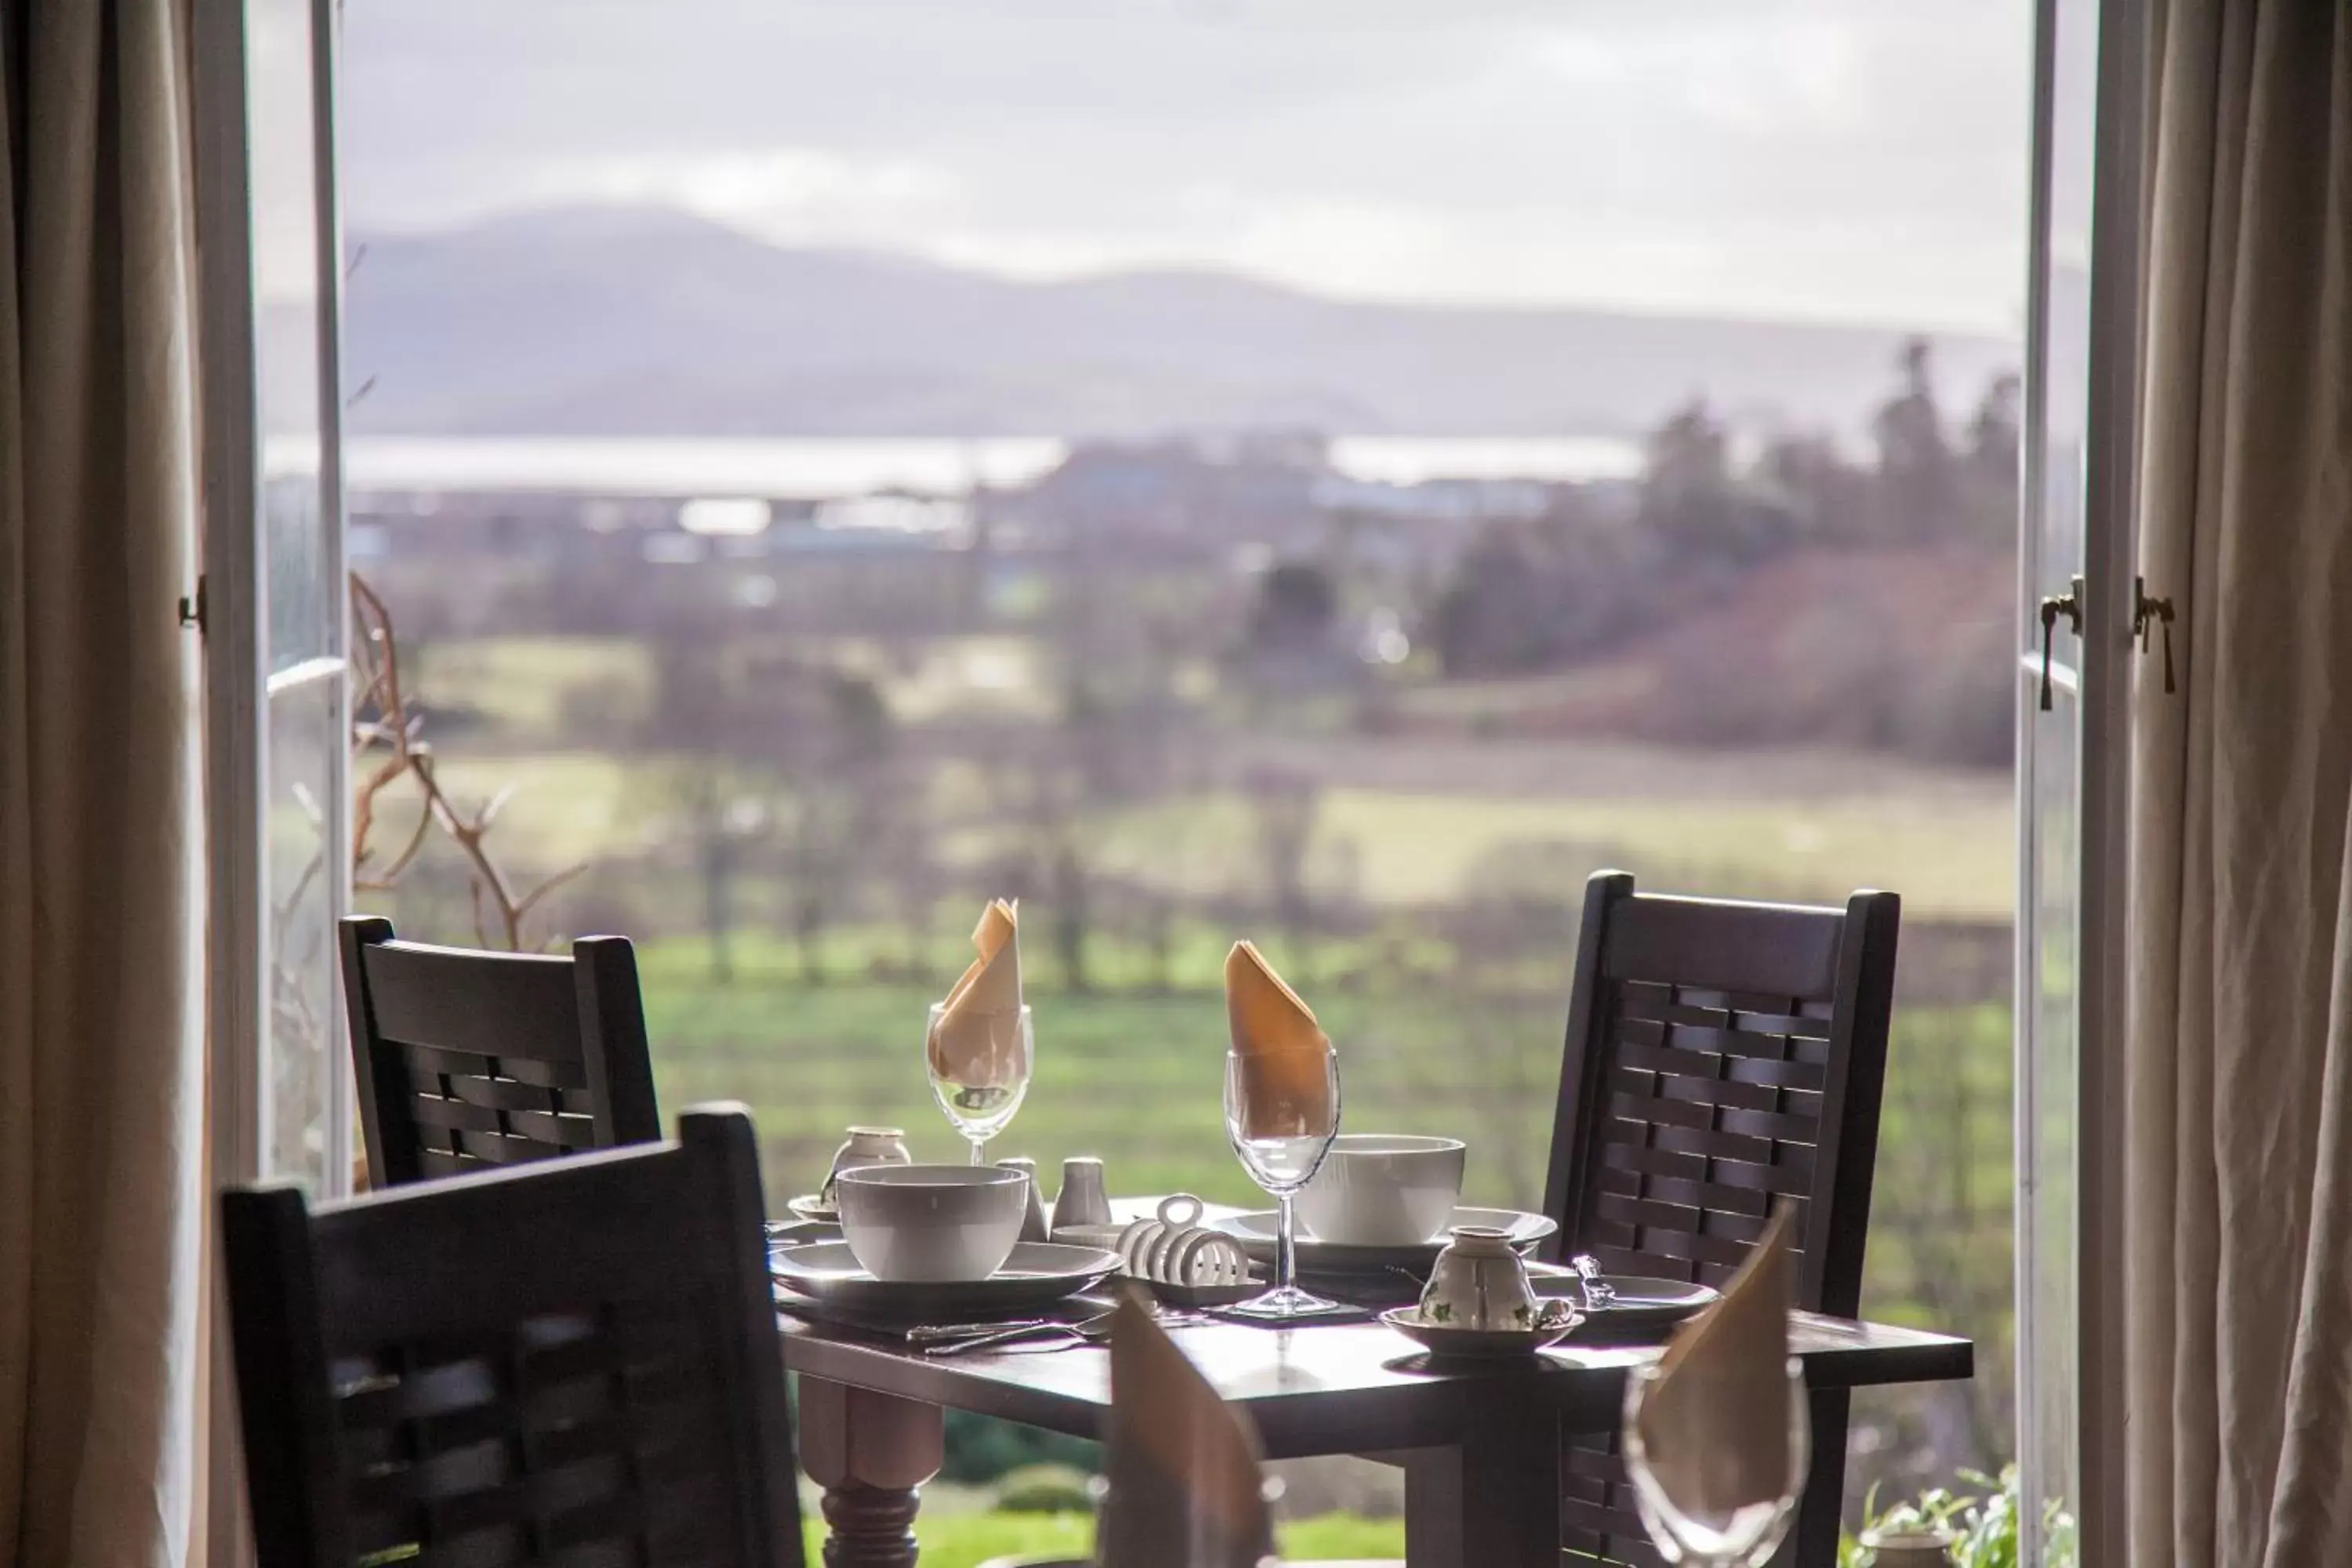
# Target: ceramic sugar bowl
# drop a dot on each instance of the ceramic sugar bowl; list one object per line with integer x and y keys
{"x": 1922, "y": 1546}
{"x": 1479, "y": 1282}
{"x": 864, "y": 1146}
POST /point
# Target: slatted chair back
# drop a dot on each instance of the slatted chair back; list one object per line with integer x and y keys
{"x": 1721, "y": 1056}
{"x": 468, "y": 1061}
{"x": 575, "y": 1362}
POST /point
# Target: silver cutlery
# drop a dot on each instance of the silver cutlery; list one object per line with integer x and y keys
{"x": 940, "y": 1333}
{"x": 1086, "y": 1332}
{"x": 1599, "y": 1294}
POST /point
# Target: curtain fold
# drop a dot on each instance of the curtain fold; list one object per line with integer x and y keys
{"x": 2239, "y": 1151}
{"x": 100, "y": 880}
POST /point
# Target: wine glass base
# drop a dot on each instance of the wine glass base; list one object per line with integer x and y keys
{"x": 1285, "y": 1303}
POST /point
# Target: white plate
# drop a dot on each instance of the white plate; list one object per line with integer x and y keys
{"x": 811, "y": 1206}
{"x": 1257, "y": 1234}
{"x": 1451, "y": 1339}
{"x": 1037, "y": 1274}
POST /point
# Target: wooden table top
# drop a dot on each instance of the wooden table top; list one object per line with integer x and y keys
{"x": 1339, "y": 1388}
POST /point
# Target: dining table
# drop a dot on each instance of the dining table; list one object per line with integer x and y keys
{"x": 1480, "y": 1443}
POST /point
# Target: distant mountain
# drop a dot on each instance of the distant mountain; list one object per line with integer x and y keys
{"x": 647, "y": 321}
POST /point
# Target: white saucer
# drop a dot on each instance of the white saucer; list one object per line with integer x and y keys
{"x": 1484, "y": 1344}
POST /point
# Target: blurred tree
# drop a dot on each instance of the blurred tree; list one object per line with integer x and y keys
{"x": 1709, "y": 523}
{"x": 1830, "y": 497}
{"x": 1297, "y": 604}
{"x": 1990, "y": 466}
{"x": 1919, "y": 478}
{"x": 832, "y": 755}
{"x": 1284, "y": 803}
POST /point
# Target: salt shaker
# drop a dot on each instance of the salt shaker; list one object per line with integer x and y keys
{"x": 1032, "y": 1228}
{"x": 1083, "y": 1200}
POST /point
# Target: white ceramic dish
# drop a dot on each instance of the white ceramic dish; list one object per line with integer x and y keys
{"x": 1316, "y": 1255}
{"x": 1384, "y": 1189}
{"x": 932, "y": 1223}
{"x": 1481, "y": 1344}
{"x": 1035, "y": 1274}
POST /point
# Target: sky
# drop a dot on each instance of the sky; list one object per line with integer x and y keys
{"x": 1851, "y": 160}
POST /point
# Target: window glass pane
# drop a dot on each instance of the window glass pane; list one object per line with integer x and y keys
{"x": 1335, "y": 474}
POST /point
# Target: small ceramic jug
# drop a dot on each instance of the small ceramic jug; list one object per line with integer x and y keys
{"x": 1083, "y": 1200}
{"x": 1925, "y": 1546}
{"x": 865, "y": 1146}
{"x": 1479, "y": 1283}
{"x": 1033, "y": 1227}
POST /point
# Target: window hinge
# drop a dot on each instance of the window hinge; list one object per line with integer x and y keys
{"x": 2145, "y": 610}
{"x": 2068, "y": 605}
{"x": 192, "y": 608}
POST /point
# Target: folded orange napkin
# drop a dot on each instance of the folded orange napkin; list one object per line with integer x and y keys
{"x": 1283, "y": 1050}
{"x": 976, "y": 1039}
{"x": 1185, "y": 1488}
{"x": 1716, "y": 1424}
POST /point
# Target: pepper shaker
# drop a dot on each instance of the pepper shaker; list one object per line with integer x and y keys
{"x": 1083, "y": 1200}
{"x": 1032, "y": 1228}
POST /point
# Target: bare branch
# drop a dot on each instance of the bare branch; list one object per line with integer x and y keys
{"x": 395, "y": 732}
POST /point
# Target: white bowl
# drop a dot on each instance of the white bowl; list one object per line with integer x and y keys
{"x": 1384, "y": 1189}
{"x": 932, "y": 1223}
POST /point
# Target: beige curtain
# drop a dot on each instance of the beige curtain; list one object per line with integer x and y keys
{"x": 100, "y": 977}
{"x": 2240, "y": 1152}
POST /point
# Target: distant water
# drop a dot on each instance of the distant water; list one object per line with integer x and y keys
{"x": 829, "y": 467}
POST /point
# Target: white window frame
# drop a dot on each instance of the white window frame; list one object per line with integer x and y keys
{"x": 234, "y": 599}
{"x": 2100, "y": 681}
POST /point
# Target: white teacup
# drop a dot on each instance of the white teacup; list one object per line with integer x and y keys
{"x": 1479, "y": 1282}
{"x": 1384, "y": 1189}
{"x": 932, "y": 1222}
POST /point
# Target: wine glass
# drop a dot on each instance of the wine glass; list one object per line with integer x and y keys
{"x": 1281, "y": 1110}
{"x": 980, "y": 1077}
{"x": 1687, "y": 1524}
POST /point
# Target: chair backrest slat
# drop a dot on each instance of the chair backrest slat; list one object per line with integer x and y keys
{"x": 471, "y": 1060}
{"x": 570, "y": 1362}
{"x": 1721, "y": 1058}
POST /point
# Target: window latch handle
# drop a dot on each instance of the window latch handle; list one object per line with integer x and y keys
{"x": 2068, "y": 605}
{"x": 2147, "y": 611}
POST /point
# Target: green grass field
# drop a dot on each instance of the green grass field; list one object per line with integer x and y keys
{"x": 1134, "y": 1078}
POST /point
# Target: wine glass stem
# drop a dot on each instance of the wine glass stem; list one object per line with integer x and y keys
{"x": 1285, "y": 1251}
{"x": 975, "y": 1151}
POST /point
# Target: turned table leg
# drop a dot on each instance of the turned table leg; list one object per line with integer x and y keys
{"x": 870, "y": 1452}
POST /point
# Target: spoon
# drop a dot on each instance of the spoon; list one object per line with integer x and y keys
{"x": 1599, "y": 1294}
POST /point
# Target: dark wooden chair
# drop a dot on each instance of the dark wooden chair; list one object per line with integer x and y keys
{"x": 466, "y": 1061}
{"x": 1720, "y": 1057}
{"x": 575, "y": 1362}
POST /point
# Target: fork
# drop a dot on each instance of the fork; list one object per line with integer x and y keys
{"x": 1086, "y": 1332}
